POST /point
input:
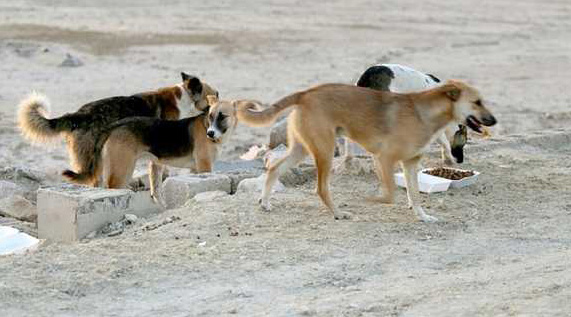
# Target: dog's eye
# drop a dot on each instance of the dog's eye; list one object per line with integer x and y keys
{"x": 478, "y": 103}
{"x": 221, "y": 117}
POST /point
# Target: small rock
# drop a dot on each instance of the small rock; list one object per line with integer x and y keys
{"x": 209, "y": 196}
{"x": 18, "y": 207}
{"x": 71, "y": 61}
{"x": 115, "y": 233}
{"x": 130, "y": 218}
{"x": 178, "y": 190}
{"x": 91, "y": 235}
{"x": 255, "y": 185}
{"x": 294, "y": 176}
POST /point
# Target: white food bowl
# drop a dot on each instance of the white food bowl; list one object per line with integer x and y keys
{"x": 433, "y": 184}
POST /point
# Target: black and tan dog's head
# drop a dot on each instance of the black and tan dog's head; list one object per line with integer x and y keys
{"x": 457, "y": 143}
{"x": 197, "y": 92}
{"x": 221, "y": 118}
{"x": 468, "y": 106}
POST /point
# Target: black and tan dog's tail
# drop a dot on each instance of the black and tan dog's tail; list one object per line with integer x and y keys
{"x": 86, "y": 178}
{"x": 33, "y": 121}
{"x": 249, "y": 113}
{"x": 90, "y": 172}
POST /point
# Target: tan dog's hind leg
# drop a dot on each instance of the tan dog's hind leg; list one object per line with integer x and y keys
{"x": 295, "y": 155}
{"x": 410, "y": 168}
{"x": 323, "y": 162}
{"x": 155, "y": 180}
{"x": 321, "y": 144}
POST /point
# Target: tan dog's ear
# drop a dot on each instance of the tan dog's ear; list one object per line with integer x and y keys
{"x": 452, "y": 92}
{"x": 211, "y": 99}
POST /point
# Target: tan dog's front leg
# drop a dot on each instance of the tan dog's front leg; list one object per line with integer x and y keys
{"x": 155, "y": 180}
{"x": 384, "y": 168}
{"x": 410, "y": 168}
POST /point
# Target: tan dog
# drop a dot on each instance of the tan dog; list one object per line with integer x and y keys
{"x": 393, "y": 127}
{"x": 182, "y": 143}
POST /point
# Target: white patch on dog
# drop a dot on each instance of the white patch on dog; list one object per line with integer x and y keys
{"x": 408, "y": 79}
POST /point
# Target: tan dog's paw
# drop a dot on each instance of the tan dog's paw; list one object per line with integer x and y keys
{"x": 422, "y": 216}
{"x": 265, "y": 205}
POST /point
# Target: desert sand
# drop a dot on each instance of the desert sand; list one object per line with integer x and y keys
{"x": 502, "y": 247}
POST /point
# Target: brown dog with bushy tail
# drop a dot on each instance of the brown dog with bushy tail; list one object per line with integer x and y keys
{"x": 84, "y": 126}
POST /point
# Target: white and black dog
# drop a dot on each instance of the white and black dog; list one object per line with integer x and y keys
{"x": 403, "y": 79}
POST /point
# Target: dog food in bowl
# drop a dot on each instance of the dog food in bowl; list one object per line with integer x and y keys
{"x": 449, "y": 173}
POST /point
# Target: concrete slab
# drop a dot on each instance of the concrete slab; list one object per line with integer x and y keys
{"x": 67, "y": 213}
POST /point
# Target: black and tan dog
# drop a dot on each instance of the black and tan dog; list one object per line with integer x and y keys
{"x": 187, "y": 143}
{"x": 82, "y": 128}
{"x": 392, "y": 127}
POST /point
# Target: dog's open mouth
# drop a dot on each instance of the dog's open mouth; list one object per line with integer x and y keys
{"x": 213, "y": 140}
{"x": 474, "y": 124}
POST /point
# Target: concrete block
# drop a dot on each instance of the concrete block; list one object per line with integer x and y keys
{"x": 355, "y": 148}
{"x": 239, "y": 170}
{"x": 237, "y": 177}
{"x": 294, "y": 176}
{"x": 177, "y": 190}
{"x": 356, "y": 166}
{"x": 68, "y": 212}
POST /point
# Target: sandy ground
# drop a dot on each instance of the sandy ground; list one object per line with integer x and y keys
{"x": 503, "y": 247}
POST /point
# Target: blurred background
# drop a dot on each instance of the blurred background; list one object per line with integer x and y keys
{"x": 518, "y": 53}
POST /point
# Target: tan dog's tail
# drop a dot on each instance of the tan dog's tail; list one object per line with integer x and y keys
{"x": 249, "y": 113}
